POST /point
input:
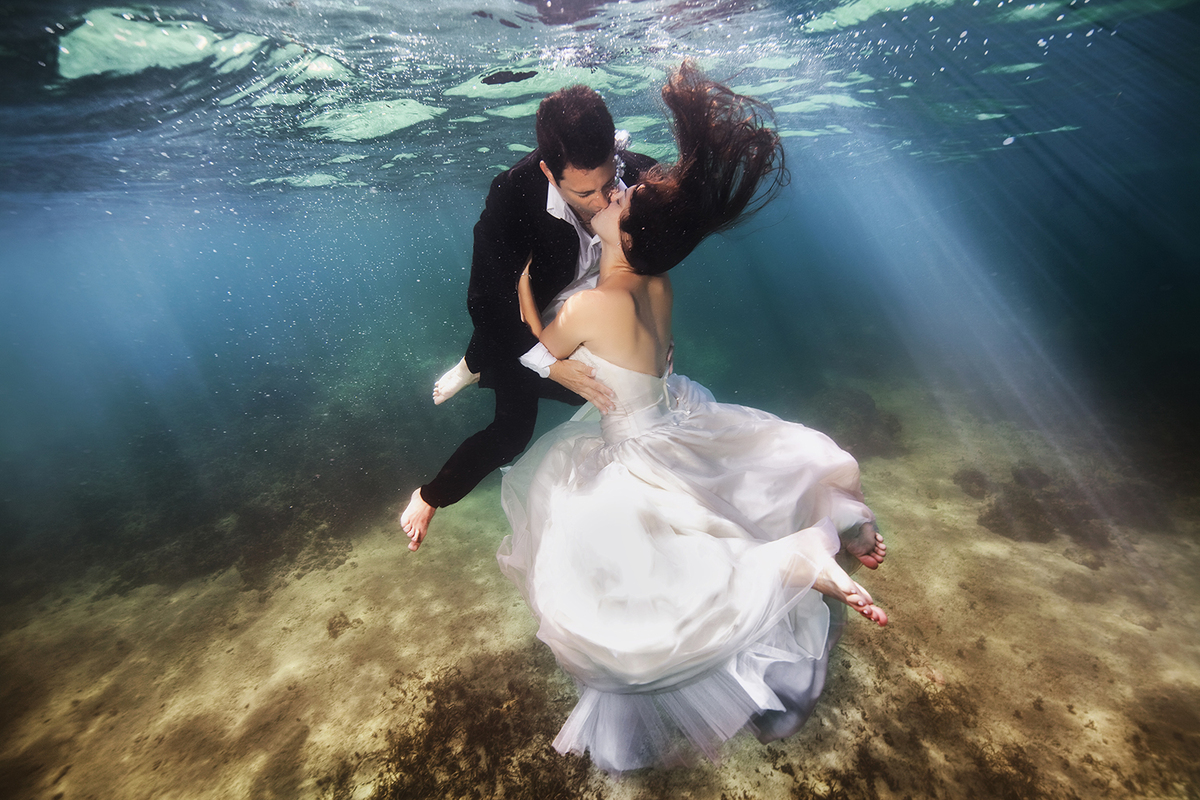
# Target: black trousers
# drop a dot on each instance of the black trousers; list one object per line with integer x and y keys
{"x": 517, "y": 392}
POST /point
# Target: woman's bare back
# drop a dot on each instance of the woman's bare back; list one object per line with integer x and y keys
{"x": 633, "y": 313}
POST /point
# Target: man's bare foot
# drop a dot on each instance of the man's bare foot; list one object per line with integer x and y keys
{"x": 415, "y": 519}
{"x": 834, "y": 582}
{"x": 459, "y": 377}
{"x": 865, "y": 544}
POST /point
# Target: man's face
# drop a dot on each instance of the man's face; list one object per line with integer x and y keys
{"x": 586, "y": 191}
{"x": 607, "y": 223}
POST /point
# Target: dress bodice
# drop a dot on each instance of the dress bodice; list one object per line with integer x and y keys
{"x": 642, "y": 401}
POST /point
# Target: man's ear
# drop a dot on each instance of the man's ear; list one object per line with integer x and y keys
{"x": 549, "y": 175}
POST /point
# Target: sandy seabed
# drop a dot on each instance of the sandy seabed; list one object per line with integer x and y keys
{"x": 1012, "y": 668}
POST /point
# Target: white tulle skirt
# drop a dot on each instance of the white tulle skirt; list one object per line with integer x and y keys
{"x": 669, "y": 561}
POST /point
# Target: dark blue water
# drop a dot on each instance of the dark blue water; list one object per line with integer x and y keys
{"x": 236, "y": 239}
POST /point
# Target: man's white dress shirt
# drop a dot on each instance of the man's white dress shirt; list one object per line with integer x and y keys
{"x": 587, "y": 272}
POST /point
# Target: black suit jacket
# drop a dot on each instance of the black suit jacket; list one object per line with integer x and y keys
{"x": 514, "y": 224}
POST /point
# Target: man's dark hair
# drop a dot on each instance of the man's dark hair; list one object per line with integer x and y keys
{"x": 574, "y": 127}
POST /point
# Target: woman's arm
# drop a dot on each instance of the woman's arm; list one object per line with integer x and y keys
{"x": 574, "y": 324}
{"x": 580, "y": 320}
{"x": 529, "y": 309}
{"x": 574, "y": 376}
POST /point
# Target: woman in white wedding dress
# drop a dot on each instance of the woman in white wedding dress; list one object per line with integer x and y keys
{"x": 676, "y": 552}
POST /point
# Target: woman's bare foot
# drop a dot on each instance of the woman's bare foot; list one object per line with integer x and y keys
{"x": 457, "y": 378}
{"x": 833, "y": 582}
{"x": 415, "y": 519}
{"x": 865, "y": 543}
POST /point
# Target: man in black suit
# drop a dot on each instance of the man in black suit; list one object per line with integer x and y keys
{"x": 538, "y": 212}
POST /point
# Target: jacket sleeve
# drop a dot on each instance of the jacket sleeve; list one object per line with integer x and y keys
{"x": 503, "y": 243}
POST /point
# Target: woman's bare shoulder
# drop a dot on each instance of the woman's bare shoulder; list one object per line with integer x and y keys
{"x": 593, "y": 308}
{"x": 608, "y": 295}
{"x": 598, "y": 298}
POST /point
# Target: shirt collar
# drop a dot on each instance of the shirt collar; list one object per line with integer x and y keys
{"x": 557, "y": 207}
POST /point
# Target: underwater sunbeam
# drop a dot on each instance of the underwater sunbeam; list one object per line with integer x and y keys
{"x": 236, "y": 244}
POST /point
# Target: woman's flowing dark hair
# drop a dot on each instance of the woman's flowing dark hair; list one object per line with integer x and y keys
{"x": 730, "y": 165}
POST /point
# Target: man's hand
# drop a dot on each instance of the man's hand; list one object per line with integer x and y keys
{"x": 581, "y": 379}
